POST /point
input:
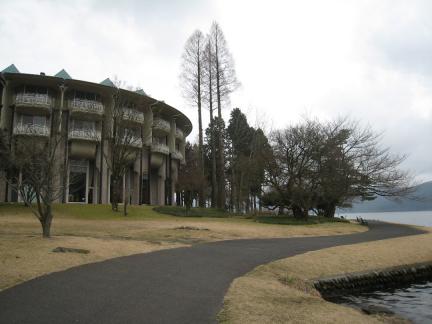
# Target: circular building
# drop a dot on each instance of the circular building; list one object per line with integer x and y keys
{"x": 98, "y": 121}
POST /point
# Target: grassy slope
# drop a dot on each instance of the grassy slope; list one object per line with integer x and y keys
{"x": 281, "y": 292}
{"x": 25, "y": 255}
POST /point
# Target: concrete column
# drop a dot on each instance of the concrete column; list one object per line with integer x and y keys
{"x": 3, "y": 125}
{"x": 172, "y": 136}
{"x": 5, "y": 112}
{"x": 106, "y": 135}
{"x": 161, "y": 183}
{"x": 148, "y": 127}
{"x": 105, "y": 186}
{"x": 182, "y": 147}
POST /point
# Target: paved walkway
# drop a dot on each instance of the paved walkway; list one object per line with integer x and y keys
{"x": 184, "y": 285}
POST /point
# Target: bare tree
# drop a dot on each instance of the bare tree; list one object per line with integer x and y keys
{"x": 209, "y": 76}
{"x": 190, "y": 178}
{"x": 123, "y": 146}
{"x": 226, "y": 83}
{"x": 34, "y": 172}
{"x": 322, "y": 166}
{"x": 191, "y": 83}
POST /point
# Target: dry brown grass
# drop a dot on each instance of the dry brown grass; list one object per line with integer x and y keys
{"x": 281, "y": 292}
{"x": 25, "y": 255}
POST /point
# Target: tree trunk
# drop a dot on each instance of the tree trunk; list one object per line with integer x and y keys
{"x": 221, "y": 169}
{"x": 212, "y": 135}
{"x": 299, "y": 212}
{"x": 125, "y": 203}
{"x": 330, "y": 210}
{"x": 114, "y": 196}
{"x": 200, "y": 133}
{"x": 46, "y": 223}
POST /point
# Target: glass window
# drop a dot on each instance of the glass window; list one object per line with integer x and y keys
{"x": 84, "y": 124}
{"x": 33, "y": 120}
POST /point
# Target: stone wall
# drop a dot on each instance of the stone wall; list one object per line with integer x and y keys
{"x": 373, "y": 280}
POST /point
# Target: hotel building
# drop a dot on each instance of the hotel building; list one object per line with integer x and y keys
{"x": 29, "y": 103}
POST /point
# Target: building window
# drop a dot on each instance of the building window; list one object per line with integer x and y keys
{"x": 162, "y": 140}
{"x": 33, "y": 120}
{"x": 86, "y": 96}
{"x": 83, "y": 125}
{"x": 78, "y": 170}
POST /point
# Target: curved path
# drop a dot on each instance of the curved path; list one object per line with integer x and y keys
{"x": 183, "y": 285}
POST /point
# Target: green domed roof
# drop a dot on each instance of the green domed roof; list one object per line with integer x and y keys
{"x": 11, "y": 69}
{"x": 63, "y": 74}
{"x": 141, "y": 92}
{"x": 108, "y": 83}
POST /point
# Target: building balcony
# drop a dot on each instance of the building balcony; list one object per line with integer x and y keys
{"x": 31, "y": 129}
{"x": 133, "y": 115}
{"x": 161, "y": 125}
{"x": 85, "y": 135}
{"x": 33, "y": 100}
{"x": 134, "y": 141}
{"x": 177, "y": 155}
{"x": 160, "y": 148}
{"x": 85, "y": 106}
{"x": 179, "y": 134}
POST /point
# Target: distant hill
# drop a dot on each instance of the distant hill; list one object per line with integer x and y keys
{"x": 380, "y": 204}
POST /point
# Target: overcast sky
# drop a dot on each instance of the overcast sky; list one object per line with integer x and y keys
{"x": 370, "y": 60}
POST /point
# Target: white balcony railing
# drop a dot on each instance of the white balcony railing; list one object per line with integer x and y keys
{"x": 85, "y": 134}
{"x": 160, "y": 148}
{"x": 133, "y": 115}
{"x": 177, "y": 155}
{"x": 161, "y": 124}
{"x": 179, "y": 133}
{"x": 86, "y": 106}
{"x": 134, "y": 141}
{"x": 31, "y": 129}
{"x": 33, "y": 99}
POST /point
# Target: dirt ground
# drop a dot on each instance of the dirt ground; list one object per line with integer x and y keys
{"x": 25, "y": 255}
{"x": 281, "y": 291}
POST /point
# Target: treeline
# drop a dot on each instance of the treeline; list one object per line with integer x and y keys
{"x": 311, "y": 166}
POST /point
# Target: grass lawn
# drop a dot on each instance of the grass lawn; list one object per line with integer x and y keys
{"x": 281, "y": 291}
{"x": 25, "y": 255}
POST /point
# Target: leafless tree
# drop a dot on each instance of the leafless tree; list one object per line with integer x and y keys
{"x": 226, "y": 83}
{"x": 124, "y": 142}
{"x": 34, "y": 172}
{"x": 322, "y": 166}
{"x": 190, "y": 179}
{"x": 192, "y": 86}
{"x": 209, "y": 77}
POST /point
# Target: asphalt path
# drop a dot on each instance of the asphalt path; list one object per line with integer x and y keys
{"x": 182, "y": 285}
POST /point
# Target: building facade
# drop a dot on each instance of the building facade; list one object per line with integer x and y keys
{"x": 30, "y": 103}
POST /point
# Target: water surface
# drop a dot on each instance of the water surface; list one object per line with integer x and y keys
{"x": 413, "y": 302}
{"x": 422, "y": 218}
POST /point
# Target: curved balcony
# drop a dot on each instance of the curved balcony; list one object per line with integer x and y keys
{"x": 85, "y": 106}
{"x": 161, "y": 125}
{"x": 177, "y": 155}
{"x": 134, "y": 141}
{"x": 31, "y": 129}
{"x": 85, "y": 135}
{"x": 160, "y": 148}
{"x": 33, "y": 101}
{"x": 133, "y": 115}
{"x": 179, "y": 134}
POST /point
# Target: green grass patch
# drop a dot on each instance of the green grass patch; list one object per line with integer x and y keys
{"x": 289, "y": 220}
{"x": 86, "y": 211}
{"x": 193, "y": 212}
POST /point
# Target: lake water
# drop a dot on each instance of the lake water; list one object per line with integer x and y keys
{"x": 413, "y": 302}
{"x": 422, "y": 218}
